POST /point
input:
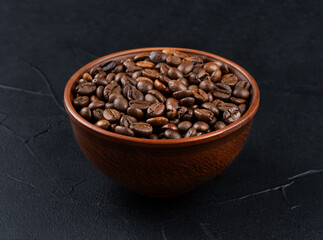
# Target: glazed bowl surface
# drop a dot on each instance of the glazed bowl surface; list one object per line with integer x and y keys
{"x": 161, "y": 167}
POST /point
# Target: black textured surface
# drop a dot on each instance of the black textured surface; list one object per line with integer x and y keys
{"x": 50, "y": 191}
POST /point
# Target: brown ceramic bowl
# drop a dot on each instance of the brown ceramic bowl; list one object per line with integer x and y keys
{"x": 161, "y": 168}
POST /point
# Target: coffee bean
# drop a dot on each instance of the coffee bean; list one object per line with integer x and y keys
{"x": 164, "y": 79}
{"x": 188, "y": 101}
{"x": 222, "y": 94}
{"x": 188, "y": 115}
{"x": 100, "y": 75}
{"x": 212, "y": 107}
{"x": 155, "y": 110}
{"x": 87, "y": 88}
{"x": 231, "y": 115}
{"x": 110, "y": 77}
{"x": 201, "y": 126}
{"x": 120, "y": 103}
{"x": 169, "y": 126}
{"x": 94, "y": 98}
{"x": 99, "y": 92}
{"x": 141, "y": 104}
{"x": 96, "y": 104}
{"x": 175, "y": 121}
{"x": 126, "y": 120}
{"x": 109, "y": 66}
{"x": 194, "y": 59}
{"x": 150, "y": 98}
{"x": 141, "y": 128}
{"x": 144, "y": 84}
{"x": 193, "y": 79}
{"x": 241, "y": 93}
{"x": 135, "y": 112}
{"x": 174, "y": 73}
{"x": 193, "y": 87}
{"x": 157, "y": 121}
{"x": 104, "y": 124}
{"x": 81, "y": 101}
{"x": 200, "y": 96}
{"x": 111, "y": 88}
{"x": 158, "y": 95}
{"x": 173, "y": 102}
{"x": 150, "y": 73}
{"x": 242, "y": 108}
{"x": 211, "y": 67}
{"x": 238, "y": 100}
{"x": 173, "y": 60}
{"x": 141, "y": 56}
{"x": 207, "y": 85}
{"x": 145, "y": 64}
{"x": 118, "y": 69}
{"x": 153, "y": 136}
{"x": 97, "y": 114}
{"x": 124, "y": 131}
{"x": 86, "y": 113}
{"x": 182, "y": 94}
{"x": 114, "y": 96}
{"x": 229, "y": 79}
{"x": 242, "y": 84}
{"x": 185, "y": 67}
{"x": 136, "y": 75}
{"x": 172, "y": 134}
{"x": 184, "y": 126}
{"x": 203, "y": 115}
{"x": 161, "y": 87}
{"x": 126, "y": 80}
{"x": 225, "y": 106}
{"x": 132, "y": 93}
{"x": 223, "y": 66}
{"x": 181, "y": 111}
{"x": 157, "y": 56}
{"x": 216, "y": 76}
{"x": 202, "y": 74}
{"x": 109, "y": 105}
{"x": 111, "y": 115}
{"x": 219, "y": 125}
{"x": 171, "y": 112}
{"x": 190, "y": 133}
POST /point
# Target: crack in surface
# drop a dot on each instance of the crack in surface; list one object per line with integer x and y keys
{"x": 77, "y": 184}
{"x": 20, "y": 181}
{"x": 207, "y": 232}
{"x": 37, "y": 135}
{"x": 163, "y": 232}
{"x": 84, "y": 51}
{"x": 24, "y": 90}
{"x": 46, "y": 80}
{"x": 303, "y": 174}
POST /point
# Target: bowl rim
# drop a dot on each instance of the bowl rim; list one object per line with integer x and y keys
{"x": 160, "y": 143}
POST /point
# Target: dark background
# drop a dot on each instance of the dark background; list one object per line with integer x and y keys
{"x": 49, "y": 190}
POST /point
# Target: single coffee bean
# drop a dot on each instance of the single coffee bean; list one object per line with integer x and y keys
{"x": 124, "y": 131}
{"x": 222, "y": 94}
{"x": 219, "y": 125}
{"x": 132, "y": 93}
{"x": 118, "y": 69}
{"x": 200, "y": 96}
{"x": 111, "y": 88}
{"x": 207, "y": 85}
{"x": 97, "y": 114}
{"x": 184, "y": 126}
{"x": 229, "y": 79}
{"x": 190, "y": 133}
{"x": 211, "y": 67}
{"x": 203, "y": 115}
{"x": 216, "y": 76}
{"x": 188, "y": 115}
{"x": 145, "y": 64}
{"x": 164, "y": 79}
{"x": 94, "y": 98}
{"x": 242, "y": 108}
{"x": 185, "y": 67}
{"x": 171, "y": 112}
{"x": 150, "y": 73}
{"x": 81, "y": 101}
{"x": 182, "y": 94}
{"x": 210, "y": 96}
{"x": 110, "y": 77}
{"x": 216, "y": 102}
{"x": 238, "y": 100}
{"x": 141, "y": 56}
{"x": 174, "y": 73}
{"x": 158, "y": 95}
{"x": 109, "y": 105}
{"x": 183, "y": 81}
{"x": 111, "y": 115}
{"x": 86, "y": 113}
{"x": 157, "y": 56}
{"x": 87, "y": 77}
{"x": 82, "y": 81}
{"x": 114, "y": 96}
{"x": 241, "y": 93}
{"x": 136, "y": 75}
{"x": 188, "y": 101}
{"x": 223, "y": 66}
{"x": 175, "y": 121}
{"x": 119, "y": 76}
{"x": 104, "y": 124}
{"x": 173, "y": 60}
{"x": 225, "y": 106}
{"x": 141, "y": 128}
{"x": 175, "y": 86}
{"x": 120, "y": 103}
{"x": 193, "y": 79}
{"x": 96, "y": 104}
{"x": 87, "y": 88}
{"x": 193, "y": 87}
{"x": 201, "y": 126}
{"x": 144, "y": 84}
{"x": 181, "y": 111}
{"x": 135, "y": 112}
{"x": 150, "y": 98}
{"x": 157, "y": 121}
{"x": 231, "y": 115}
{"x": 203, "y": 74}
{"x": 95, "y": 70}
{"x": 101, "y": 74}
{"x": 194, "y": 60}
{"x": 212, "y": 107}
{"x": 126, "y": 80}
{"x": 155, "y": 110}
{"x": 153, "y": 136}
{"x": 126, "y": 120}
{"x": 172, "y": 134}
{"x": 173, "y": 102}
{"x": 169, "y": 126}
{"x": 109, "y": 66}
{"x": 141, "y": 104}
{"x": 99, "y": 92}
{"x": 242, "y": 84}
{"x": 161, "y": 87}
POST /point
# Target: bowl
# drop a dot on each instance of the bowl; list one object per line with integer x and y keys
{"x": 166, "y": 167}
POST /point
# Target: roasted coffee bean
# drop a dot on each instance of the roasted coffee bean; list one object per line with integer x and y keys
{"x": 190, "y": 133}
{"x": 212, "y": 107}
{"x": 157, "y": 121}
{"x": 157, "y": 56}
{"x": 87, "y": 88}
{"x": 142, "y": 129}
{"x": 229, "y": 79}
{"x": 141, "y": 104}
{"x": 155, "y": 110}
{"x": 172, "y": 134}
{"x": 203, "y": 115}
{"x": 81, "y": 101}
{"x": 174, "y": 73}
{"x": 150, "y": 98}
{"x": 144, "y": 84}
{"x": 241, "y": 93}
{"x": 238, "y": 100}
{"x": 111, "y": 115}
{"x": 135, "y": 112}
{"x": 225, "y": 106}
{"x": 231, "y": 115}
{"x": 188, "y": 101}
{"x": 97, "y": 114}
{"x": 120, "y": 103}
{"x": 184, "y": 126}
{"x": 158, "y": 95}
{"x": 104, "y": 124}
{"x": 168, "y": 91}
{"x": 200, "y": 96}
{"x": 207, "y": 85}
{"x": 182, "y": 94}
{"x": 86, "y": 113}
{"x": 201, "y": 126}
{"x": 111, "y": 88}
{"x": 169, "y": 126}
{"x": 124, "y": 131}
{"x": 96, "y": 104}
{"x": 126, "y": 120}
{"x": 242, "y": 108}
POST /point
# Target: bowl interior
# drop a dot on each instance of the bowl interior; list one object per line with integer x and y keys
{"x": 234, "y": 68}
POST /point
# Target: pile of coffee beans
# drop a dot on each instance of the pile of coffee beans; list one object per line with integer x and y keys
{"x": 161, "y": 95}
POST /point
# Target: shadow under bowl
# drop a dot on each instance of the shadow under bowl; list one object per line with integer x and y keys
{"x": 161, "y": 168}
